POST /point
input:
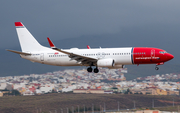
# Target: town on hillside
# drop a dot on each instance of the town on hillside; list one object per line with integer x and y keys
{"x": 79, "y": 81}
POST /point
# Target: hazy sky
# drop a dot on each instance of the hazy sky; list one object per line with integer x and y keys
{"x": 77, "y": 23}
{"x": 60, "y": 19}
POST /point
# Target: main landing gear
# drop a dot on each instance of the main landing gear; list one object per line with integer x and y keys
{"x": 89, "y": 69}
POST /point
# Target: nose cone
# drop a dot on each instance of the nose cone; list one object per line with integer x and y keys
{"x": 169, "y": 56}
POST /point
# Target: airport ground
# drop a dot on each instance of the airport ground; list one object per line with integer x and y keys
{"x": 61, "y": 102}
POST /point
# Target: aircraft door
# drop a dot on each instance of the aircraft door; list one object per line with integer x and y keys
{"x": 153, "y": 56}
{"x": 152, "y": 53}
{"x": 42, "y": 57}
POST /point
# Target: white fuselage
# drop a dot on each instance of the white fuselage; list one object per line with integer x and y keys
{"x": 121, "y": 56}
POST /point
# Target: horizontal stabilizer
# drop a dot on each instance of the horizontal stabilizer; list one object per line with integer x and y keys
{"x": 18, "y": 52}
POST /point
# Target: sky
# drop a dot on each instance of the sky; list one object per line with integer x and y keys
{"x": 105, "y": 23}
{"x": 62, "y": 19}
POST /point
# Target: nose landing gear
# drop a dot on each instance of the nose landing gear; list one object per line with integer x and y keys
{"x": 157, "y": 68}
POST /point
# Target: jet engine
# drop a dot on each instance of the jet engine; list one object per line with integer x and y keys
{"x": 116, "y": 67}
{"x": 105, "y": 63}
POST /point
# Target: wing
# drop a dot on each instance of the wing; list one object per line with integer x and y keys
{"x": 79, "y": 58}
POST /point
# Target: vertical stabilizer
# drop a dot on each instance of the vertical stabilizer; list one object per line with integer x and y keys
{"x": 27, "y": 41}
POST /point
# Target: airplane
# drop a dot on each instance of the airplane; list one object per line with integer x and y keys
{"x": 112, "y": 58}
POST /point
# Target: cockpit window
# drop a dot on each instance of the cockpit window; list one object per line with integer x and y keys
{"x": 162, "y": 52}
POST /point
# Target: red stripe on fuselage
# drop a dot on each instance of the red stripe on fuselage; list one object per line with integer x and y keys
{"x": 143, "y": 55}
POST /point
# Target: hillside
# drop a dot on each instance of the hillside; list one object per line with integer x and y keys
{"x": 52, "y": 102}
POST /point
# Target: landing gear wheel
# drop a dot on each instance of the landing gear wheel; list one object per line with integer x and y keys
{"x": 96, "y": 70}
{"x": 89, "y": 69}
{"x": 156, "y": 68}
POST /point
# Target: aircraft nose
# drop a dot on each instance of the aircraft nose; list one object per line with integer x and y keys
{"x": 169, "y": 56}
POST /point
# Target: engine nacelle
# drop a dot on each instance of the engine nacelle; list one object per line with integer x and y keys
{"x": 116, "y": 67}
{"x": 105, "y": 63}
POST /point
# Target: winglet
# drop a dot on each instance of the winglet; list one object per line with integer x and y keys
{"x": 18, "y": 24}
{"x": 88, "y": 47}
{"x": 50, "y": 43}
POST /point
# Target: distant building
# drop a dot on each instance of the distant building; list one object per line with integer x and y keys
{"x": 1, "y": 94}
{"x": 3, "y": 86}
{"x": 161, "y": 92}
{"x": 108, "y": 92}
{"x": 79, "y": 91}
{"x": 67, "y": 90}
{"x": 93, "y": 91}
{"x": 38, "y": 92}
{"x": 154, "y": 91}
{"x": 6, "y": 93}
{"x": 148, "y": 111}
{"x": 6, "y": 86}
{"x": 96, "y": 91}
{"x": 28, "y": 92}
{"x": 172, "y": 92}
{"x": 46, "y": 89}
{"x": 142, "y": 111}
